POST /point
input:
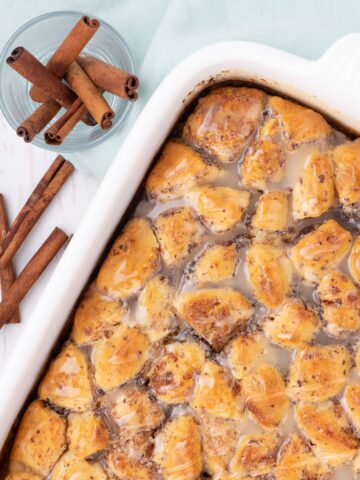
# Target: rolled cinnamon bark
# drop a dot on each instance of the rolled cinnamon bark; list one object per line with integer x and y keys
{"x": 23, "y": 62}
{"x": 38, "y": 120}
{"x": 68, "y": 52}
{"x": 31, "y": 273}
{"x": 7, "y": 274}
{"x": 90, "y": 96}
{"x": 56, "y": 134}
{"x": 110, "y": 78}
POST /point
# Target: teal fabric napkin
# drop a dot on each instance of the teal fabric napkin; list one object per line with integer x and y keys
{"x": 160, "y": 33}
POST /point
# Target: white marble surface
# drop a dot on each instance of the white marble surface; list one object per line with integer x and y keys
{"x": 21, "y": 167}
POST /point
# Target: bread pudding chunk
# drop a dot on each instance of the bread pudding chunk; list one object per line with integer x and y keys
{"x": 271, "y": 222}
{"x": 215, "y": 313}
{"x": 155, "y": 309}
{"x": 297, "y": 461}
{"x": 67, "y": 382}
{"x": 244, "y": 353}
{"x": 119, "y": 358}
{"x": 96, "y": 317}
{"x": 340, "y": 303}
{"x": 40, "y": 439}
{"x": 299, "y": 124}
{"x": 255, "y": 455}
{"x": 178, "y": 232}
{"x": 70, "y": 467}
{"x": 172, "y": 377}
{"x": 293, "y": 326}
{"x": 347, "y": 177}
{"x": 86, "y": 434}
{"x": 318, "y": 372}
{"x": 215, "y": 264}
{"x": 270, "y": 272}
{"x": 133, "y": 259}
{"x": 327, "y": 428}
{"x": 129, "y": 468}
{"x": 178, "y": 449}
{"x": 320, "y": 251}
{"x": 224, "y": 121}
{"x": 219, "y": 208}
{"x": 216, "y": 393}
{"x": 264, "y": 395}
{"x": 314, "y": 193}
{"x": 179, "y": 169}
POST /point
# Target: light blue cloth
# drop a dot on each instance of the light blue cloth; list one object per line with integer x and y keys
{"x": 162, "y": 32}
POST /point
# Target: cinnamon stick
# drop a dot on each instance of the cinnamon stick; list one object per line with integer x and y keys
{"x": 38, "y": 120}
{"x": 110, "y": 78}
{"x": 7, "y": 274}
{"x": 23, "y": 62}
{"x": 90, "y": 96}
{"x": 56, "y": 134}
{"x": 31, "y": 273}
{"x": 68, "y": 52}
{"x": 29, "y": 215}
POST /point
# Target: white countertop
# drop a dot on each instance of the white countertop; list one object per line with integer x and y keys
{"x": 21, "y": 167}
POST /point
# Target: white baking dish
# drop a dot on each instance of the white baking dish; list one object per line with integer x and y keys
{"x": 330, "y": 84}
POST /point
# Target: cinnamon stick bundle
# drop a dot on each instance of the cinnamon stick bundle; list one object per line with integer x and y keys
{"x": 38, "y": 120}
{"x": 23, "y": 62}
{"x": 7, "y": 274}
{"x": 35, "y": 206}
{"x": 68, "y": 52}
{"x": 110, "y": 78}
{"x": 90, "y": 96}
{"x": 31, "y": 273}
{"x": 56, "y": 134}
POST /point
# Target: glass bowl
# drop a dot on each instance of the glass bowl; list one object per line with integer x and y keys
{"x": 41, "y": 36}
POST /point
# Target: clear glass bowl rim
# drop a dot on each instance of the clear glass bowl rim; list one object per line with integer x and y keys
{"x": 57, "y": 13}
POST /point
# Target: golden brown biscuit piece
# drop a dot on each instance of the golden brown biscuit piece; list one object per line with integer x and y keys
{"x": 224, "y": 121}
{"x": 215, "y": 313}
{"x": 244, "y": 353}
{"x": 178, "y": 169}
{"x": 263, "y": 163}
{"x": 318, "y": 252}
{"x": 300, "y": 124}
{"x": 296, "y": 461}
{"x": 318, "y": 372}
{"x": 155, "y": 310}
{"x": 293, "y": 326}
{"x": 132, "y": 260}
{"x": 314, "y": 193}
{"x": 172, "y": 376}
{"x": 70, "y": 467}
{"x": 270, "y": 271}
{"x": 354, "y": 260}
{"x": 40, "y": 439}
{"x": 327, "y": 428}
{"x": 178, "y": 231}
{"x": 255, "y": 454}
{"x": 87, "y": 434}
{"x": 126, "y": 467}
{"x": 271, "y": 221}
{"x": 215, "y": 264}
{"x": 340, "y": 302}
{"x": 119, "y": 358}
{"x": 217, "y": 394}
{"x": 178, "y": 449}
{"x": 347, "y": 176}
{"x": 219, "y": 440}
{"x": 264, "y": 395}
{"x": 22, "y": 476}
{"x": 219, "y": 208}
{"x": 134, "y": 410}
{"x": 67, "y": 382}
{"x": 352, "y": 404}
{"x": 96, "y": 317}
